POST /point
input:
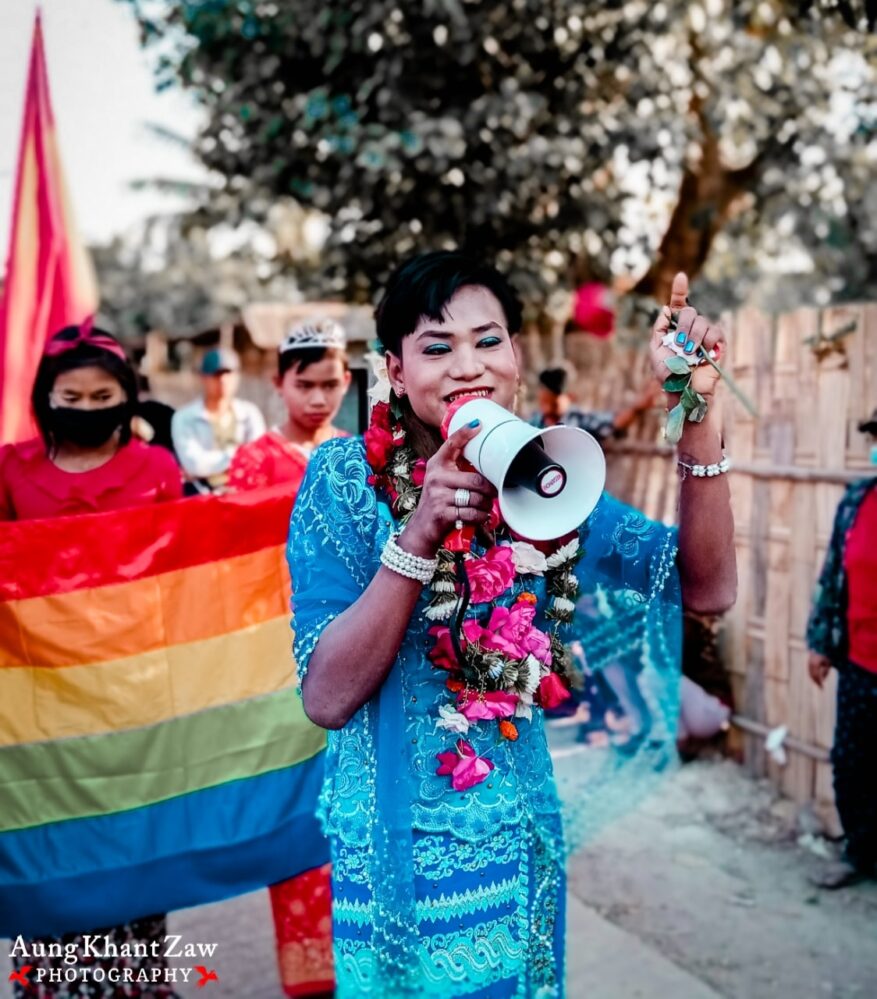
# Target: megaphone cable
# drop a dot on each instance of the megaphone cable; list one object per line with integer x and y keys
{"x": 463, "y": 602}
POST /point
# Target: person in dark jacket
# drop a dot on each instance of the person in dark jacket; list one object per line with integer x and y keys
{"x": 842, "y": 635}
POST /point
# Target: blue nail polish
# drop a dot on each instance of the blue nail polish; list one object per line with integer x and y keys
{"x": 680, "y": 338}
{"x": 473, "y": 423}
{"x": 689, "y": 347}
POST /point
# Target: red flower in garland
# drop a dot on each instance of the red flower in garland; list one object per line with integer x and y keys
{"x": 381, "y": 416}
{"x": 379, "y": 440}
{"x": 378, "y": 447}
{"x": 418, "y": 472}
{"x": 552, "y": 691}
{"x": 442, "y": 654}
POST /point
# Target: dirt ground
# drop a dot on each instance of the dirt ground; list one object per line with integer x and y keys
{"x": 711, "y": 872}
{"x": 701, "y": 893}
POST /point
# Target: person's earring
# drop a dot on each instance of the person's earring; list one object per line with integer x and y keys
{"x": 400, "y": 391}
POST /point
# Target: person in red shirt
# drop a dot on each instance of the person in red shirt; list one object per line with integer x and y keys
{"x": 85, "y": 460}
{"x": 842, "y": 633}
{"x": 312, "y": 378}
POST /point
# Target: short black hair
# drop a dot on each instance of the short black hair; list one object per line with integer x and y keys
{"x": 554, "y": 379}
{"x": 424, "y": 285}
{"x": 301, "y": 358}
{"x": 83, "y": 355}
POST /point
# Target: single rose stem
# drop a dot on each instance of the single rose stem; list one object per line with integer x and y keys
{"x": 732, "y": 385}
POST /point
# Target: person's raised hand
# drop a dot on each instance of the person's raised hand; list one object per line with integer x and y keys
{"x": 437, "y": 511}
{"x": 691, "y": 332}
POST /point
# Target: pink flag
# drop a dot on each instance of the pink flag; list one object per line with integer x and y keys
{"x": 49, "y": 280}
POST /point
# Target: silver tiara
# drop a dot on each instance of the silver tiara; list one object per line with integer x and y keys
{"x": 314, "y": 333}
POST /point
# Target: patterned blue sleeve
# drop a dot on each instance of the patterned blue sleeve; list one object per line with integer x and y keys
{"x": 629, "y": 625}
{"x": 330, "y": 558}
{"x": 626, "y": 550}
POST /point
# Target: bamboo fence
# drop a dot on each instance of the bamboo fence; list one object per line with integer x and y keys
{"x": 790, "y": 467}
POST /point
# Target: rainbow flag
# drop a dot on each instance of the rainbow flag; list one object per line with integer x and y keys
{"x": 153, "y": 751}
{"x": 49, "y": 281}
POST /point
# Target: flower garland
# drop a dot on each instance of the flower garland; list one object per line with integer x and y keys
{"x": 506, "y": 666}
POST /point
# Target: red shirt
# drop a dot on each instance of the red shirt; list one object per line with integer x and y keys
{"x": 32, "y": 486}
{"x": 860, "y": 562}
{"x": 269, "y": 461}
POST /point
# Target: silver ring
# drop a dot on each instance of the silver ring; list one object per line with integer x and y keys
{"x": 458, "y": 525}
{"x": 461, "y": 498}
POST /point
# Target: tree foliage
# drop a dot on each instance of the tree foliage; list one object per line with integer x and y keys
{"x": 567, "y": 138}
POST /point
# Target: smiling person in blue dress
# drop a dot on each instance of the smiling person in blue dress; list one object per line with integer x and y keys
{"x": 439, "y": 801}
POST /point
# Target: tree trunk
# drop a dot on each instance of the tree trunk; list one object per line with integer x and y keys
{"x": 707, "y": 197}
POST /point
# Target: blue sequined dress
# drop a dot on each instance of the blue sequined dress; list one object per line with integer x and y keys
{"x": 440, "y": 892}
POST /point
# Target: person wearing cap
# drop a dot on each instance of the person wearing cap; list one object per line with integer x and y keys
{"x": 312, "y": 378}
{"x": 555, "y": 406}
{"x": 842, "y": 634}
{"x": 208, "y": 431}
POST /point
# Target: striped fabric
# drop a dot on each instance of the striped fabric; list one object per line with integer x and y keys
{"x": 153, "y": 753}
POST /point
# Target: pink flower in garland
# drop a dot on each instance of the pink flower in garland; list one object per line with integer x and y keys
{"x": 510, "y": 631}
{"x": 484, "y": 707}
{"x": 491, "y": 575}
{"x": 464, "y": 766}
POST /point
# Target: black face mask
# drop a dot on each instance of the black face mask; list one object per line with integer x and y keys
{"x": 87, "y": 427}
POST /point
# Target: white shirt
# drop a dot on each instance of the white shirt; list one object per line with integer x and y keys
{"x": 194, "y": 442}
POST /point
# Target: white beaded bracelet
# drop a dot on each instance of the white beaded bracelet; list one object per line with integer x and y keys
{"x": 708, "y": 471}
{"x": 397, "y": 560}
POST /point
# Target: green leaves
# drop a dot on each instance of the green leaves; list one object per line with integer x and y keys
{"x": 676, "y": 383}
{"x": 536, "y": 98}
{"x": 675, "y": 424}
{"x": 691, "y": 406}
{"x": 678, "y": 365}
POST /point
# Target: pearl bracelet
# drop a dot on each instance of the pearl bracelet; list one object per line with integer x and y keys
{"x": 406, "y": 564}
{"x": 707, "y": 471}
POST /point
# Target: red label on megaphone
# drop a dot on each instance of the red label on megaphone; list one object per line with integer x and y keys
{"x": 551, "y": 482}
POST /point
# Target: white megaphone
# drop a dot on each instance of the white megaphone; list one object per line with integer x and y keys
{"x": 548, "y": 481}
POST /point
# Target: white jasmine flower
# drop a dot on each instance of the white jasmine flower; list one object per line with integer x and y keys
{"x": 452, "y": 720}
{"x": 563, "y": 554}
{"x": 440, "y": 613}
{"x": 530, "y": 673}
{"x": 563, "y": 606}
{"x": 523, "y": 710}
{"x": 528, "y": 559}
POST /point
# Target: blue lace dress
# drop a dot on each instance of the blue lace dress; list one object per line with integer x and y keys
{"x": 440, "y": 892}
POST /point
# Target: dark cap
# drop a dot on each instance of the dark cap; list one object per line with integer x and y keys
{"x": 869, "y": 426}
{"x": 218, "y": 360}
{"x": 554, "y": 379}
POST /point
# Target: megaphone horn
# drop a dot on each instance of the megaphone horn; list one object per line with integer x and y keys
{"x": 548, "y": 481}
